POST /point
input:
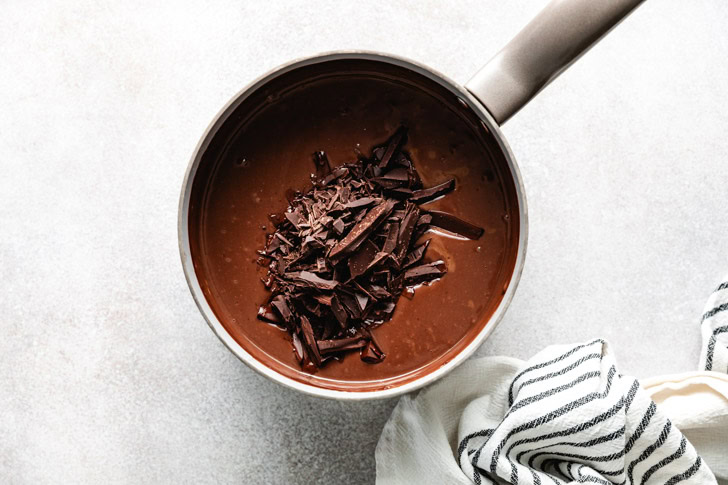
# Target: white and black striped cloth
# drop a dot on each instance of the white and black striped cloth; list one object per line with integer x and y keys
{"x": 714, "y": 328}
{"x": 573, "y": 418}
{"x": 566, "y": 416}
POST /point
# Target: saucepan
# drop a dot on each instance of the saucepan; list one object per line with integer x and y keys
{"x": 553, "y": 40}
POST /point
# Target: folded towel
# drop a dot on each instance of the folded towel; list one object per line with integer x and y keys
{"x": 565, "y": 416}
{"x": 714, "y": 328}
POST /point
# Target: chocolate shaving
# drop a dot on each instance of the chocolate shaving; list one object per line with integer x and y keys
{"x": 266, "y": 313}
{"x": 343, "y": 252}
{"x": 450, "y": 223}
{"x": 424, "y": 273}
{"x": 412, "y": 214}
{"x": 359, "y": 262}
{"x": 313, "y": 280}
{"x": 426, "y": 195}
{"x": 323, "y": 167}
{"x": 310, "y": 340}
{"x": 395, "y": 143}
{"x": 416, "y": 255}
{"x": 337, "y": 345}
{"x": 361, "y": 230}
{"x": 372, "y": 354}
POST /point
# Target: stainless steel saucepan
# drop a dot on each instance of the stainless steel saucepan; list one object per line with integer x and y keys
{"x": 553, "y": 40}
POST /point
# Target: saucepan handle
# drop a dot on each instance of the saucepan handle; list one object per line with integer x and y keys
{"x": 550, "y": 43}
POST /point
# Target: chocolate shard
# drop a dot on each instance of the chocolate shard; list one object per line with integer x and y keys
{"x": 294, "y": 217}
{"x": 459, "y": 227}
{"x": 371, "y": 353}
{"x": 388, "y": 184}
{"x": 427, "y": 195}
{"x": 425, "y": 273}
{"x": 362, "y": 300}
{"x": 338, "y": 226}
{"x": 337, "y": 345}
{"x": 280, "y": 304}
{"x": 310, "y": 340}
{"x": 379, "y": 292}
{"x": 395, "y": 143}
{"x": 360, "y": 261}
{"x": 335, "y": 174}
{"x": 396, "y": 285}
{"x": 323, "y": 167}
{"x": 425, "y": 219}
{"x": 272, "y": 244}
{"x": 324, "y": 299}
{"x": 390, "y": 244}
{"x": 383, "y": 312}
{"x": 284, "y": 239}
{"x": 350, "y": 304}
{"x": 266, "y": 313}
{"x": 361, "y": 202}
{"x": 338, "y": 310}
{"x": 399, "y": 193}
{"x": 312, "y": 279}
{"x": 412, "y": 214}
{"x": 298, "y": 348}
{"x": 361, "y": 230}
{"x": 399, "y": 174}
{"x": 416, "y": 255}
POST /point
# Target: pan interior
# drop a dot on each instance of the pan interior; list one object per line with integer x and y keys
{"x": 263, "y": 147}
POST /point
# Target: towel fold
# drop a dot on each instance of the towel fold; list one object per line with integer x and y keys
{"x": 565, "y": 416}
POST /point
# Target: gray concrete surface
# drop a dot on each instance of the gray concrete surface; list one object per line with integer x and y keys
{"x": 108, "y": 374}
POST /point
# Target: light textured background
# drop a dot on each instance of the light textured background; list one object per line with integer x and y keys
{"x": 108, "y": 374}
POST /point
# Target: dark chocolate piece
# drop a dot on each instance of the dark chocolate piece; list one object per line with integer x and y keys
{"x": 412, "y": 214}
{"x": 449, "y": 222}
{"x": 424, "y": 273}
{"x": 395, "y": 143}
{"x": 359, "y": 262}
{"x": 310, "y": 340}
{"x": 337, "y": 345}
{"x": 323, "y": 167}
{"x": 266, "y": 313}
{"x": 361, "y": 230}
{"x": 426, "y": 195}
{"x": 416, "y": 255}
{"x": 312, "y": 279}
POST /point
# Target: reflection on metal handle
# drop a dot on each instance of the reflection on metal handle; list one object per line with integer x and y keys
{"x": 550, "y": 43}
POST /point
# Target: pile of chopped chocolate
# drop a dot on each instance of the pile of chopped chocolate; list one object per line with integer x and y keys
{"x": 343, "y": 252}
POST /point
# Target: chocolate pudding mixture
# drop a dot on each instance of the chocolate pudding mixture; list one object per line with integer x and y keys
{"x": 271, "y": 152}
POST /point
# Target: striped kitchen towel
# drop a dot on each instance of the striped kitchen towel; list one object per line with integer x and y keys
{"x": 714, "y": 328}
{"x": 566, "y": 416}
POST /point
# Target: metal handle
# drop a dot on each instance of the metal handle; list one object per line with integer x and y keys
{"x": 551, "y": 42}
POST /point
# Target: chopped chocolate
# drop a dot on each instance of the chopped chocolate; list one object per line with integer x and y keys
{"x": 338, "y": 226}
{"x": 426, "y": 195}
{"x": 313, "y": 280}
{"x": 359, "y": 262}
{"x": 310, "y": 340}
{"x": 449, "y": 222}
{"x": 337, "y": 345}
{"x": 361, "y": 230}
{"x": 412, "y": 214}
{"x": 394, "y": 144}
{"x": 416, "y": 255}
{"x": 372, "y": 354}
{"x": 424, "y": 273}
{"x": 323, "y": 167}
{"x": 344, "y": 252}
{"x": 266, "y": 313}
